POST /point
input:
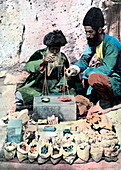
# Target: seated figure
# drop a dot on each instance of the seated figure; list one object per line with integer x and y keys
{"x": 46, "y": 68}
{"x": 102, "y": 82}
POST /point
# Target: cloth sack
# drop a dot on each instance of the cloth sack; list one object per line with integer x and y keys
{"x": 10, "y": 150}
{"x": 22, "y": 151}
{"x": 56, "y": 154}
{"x": 96, "y": 152}
{"x": 44, "y": 153}
{"x": 69, "y": 152}
{"x": 83, "y": 151}
{"x": 33, "y": 151}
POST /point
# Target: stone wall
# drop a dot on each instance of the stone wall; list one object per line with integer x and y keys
{"x": 25, "y": 22}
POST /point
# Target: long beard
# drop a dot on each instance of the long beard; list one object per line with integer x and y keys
{"x": 57, "y": 55}
{"x": 94, "y": 42}
{"x": 54, "y": 64}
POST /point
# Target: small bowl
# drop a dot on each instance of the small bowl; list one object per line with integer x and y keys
{"x": 45, "y": 99}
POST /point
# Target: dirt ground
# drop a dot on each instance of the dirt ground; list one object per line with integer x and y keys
{"x": 7, "y": 99}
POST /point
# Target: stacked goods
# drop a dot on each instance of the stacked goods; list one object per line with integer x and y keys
{"x": 92, "y": 137}
{"x": 84, "y": 127}
{"x": 30, "y": 133}
{"x": 90, "y": 144}
{"x": 110, "y": 145}
{"x": 99, "y": 120}
{"x": 23, "y": 115}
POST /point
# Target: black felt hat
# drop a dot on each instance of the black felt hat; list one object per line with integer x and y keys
{"x": 94, "y": 18}
{"x": 55, "y": 39}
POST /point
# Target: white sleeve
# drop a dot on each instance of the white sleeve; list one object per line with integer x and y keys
{"x": 75, "y": 67}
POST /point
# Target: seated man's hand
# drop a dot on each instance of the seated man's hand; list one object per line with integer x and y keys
{"x": 71, "y": 72}
{"x": 49, "y": 58}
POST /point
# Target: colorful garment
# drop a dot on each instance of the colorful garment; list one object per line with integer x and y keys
{"x": 33, "y": 85}
{"x": 111, "y": 64}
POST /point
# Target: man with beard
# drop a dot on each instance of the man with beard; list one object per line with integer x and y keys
{"x": 103, "y": 81}
{"x": 46, "y": 68}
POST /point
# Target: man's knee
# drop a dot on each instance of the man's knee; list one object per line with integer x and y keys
{"x": 97, "y": 78}
{"x": 93, "y": 79}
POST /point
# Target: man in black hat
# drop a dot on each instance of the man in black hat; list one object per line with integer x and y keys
{"x": 105, "y": 80}
{"x": 46, "y": 68}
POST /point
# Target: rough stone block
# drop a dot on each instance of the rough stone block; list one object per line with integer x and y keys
{"x": 63, "y": 110}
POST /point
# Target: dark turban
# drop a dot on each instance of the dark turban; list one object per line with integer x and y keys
{"x": 55, "y": 39}
{"x": 94, "y": 18}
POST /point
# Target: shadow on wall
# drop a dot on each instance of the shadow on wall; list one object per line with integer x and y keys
{"x": 113, "y": 16}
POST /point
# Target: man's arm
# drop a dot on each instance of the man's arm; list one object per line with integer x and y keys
{"x": 65, "y": 60}
{"x": 33, "y": 64}
{"x": 109, "y": 62}
{"x": 82, "y": 63}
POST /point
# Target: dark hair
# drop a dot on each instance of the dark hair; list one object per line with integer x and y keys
{"x": 55, "y": 39}
{"x": 94, "y": 18}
